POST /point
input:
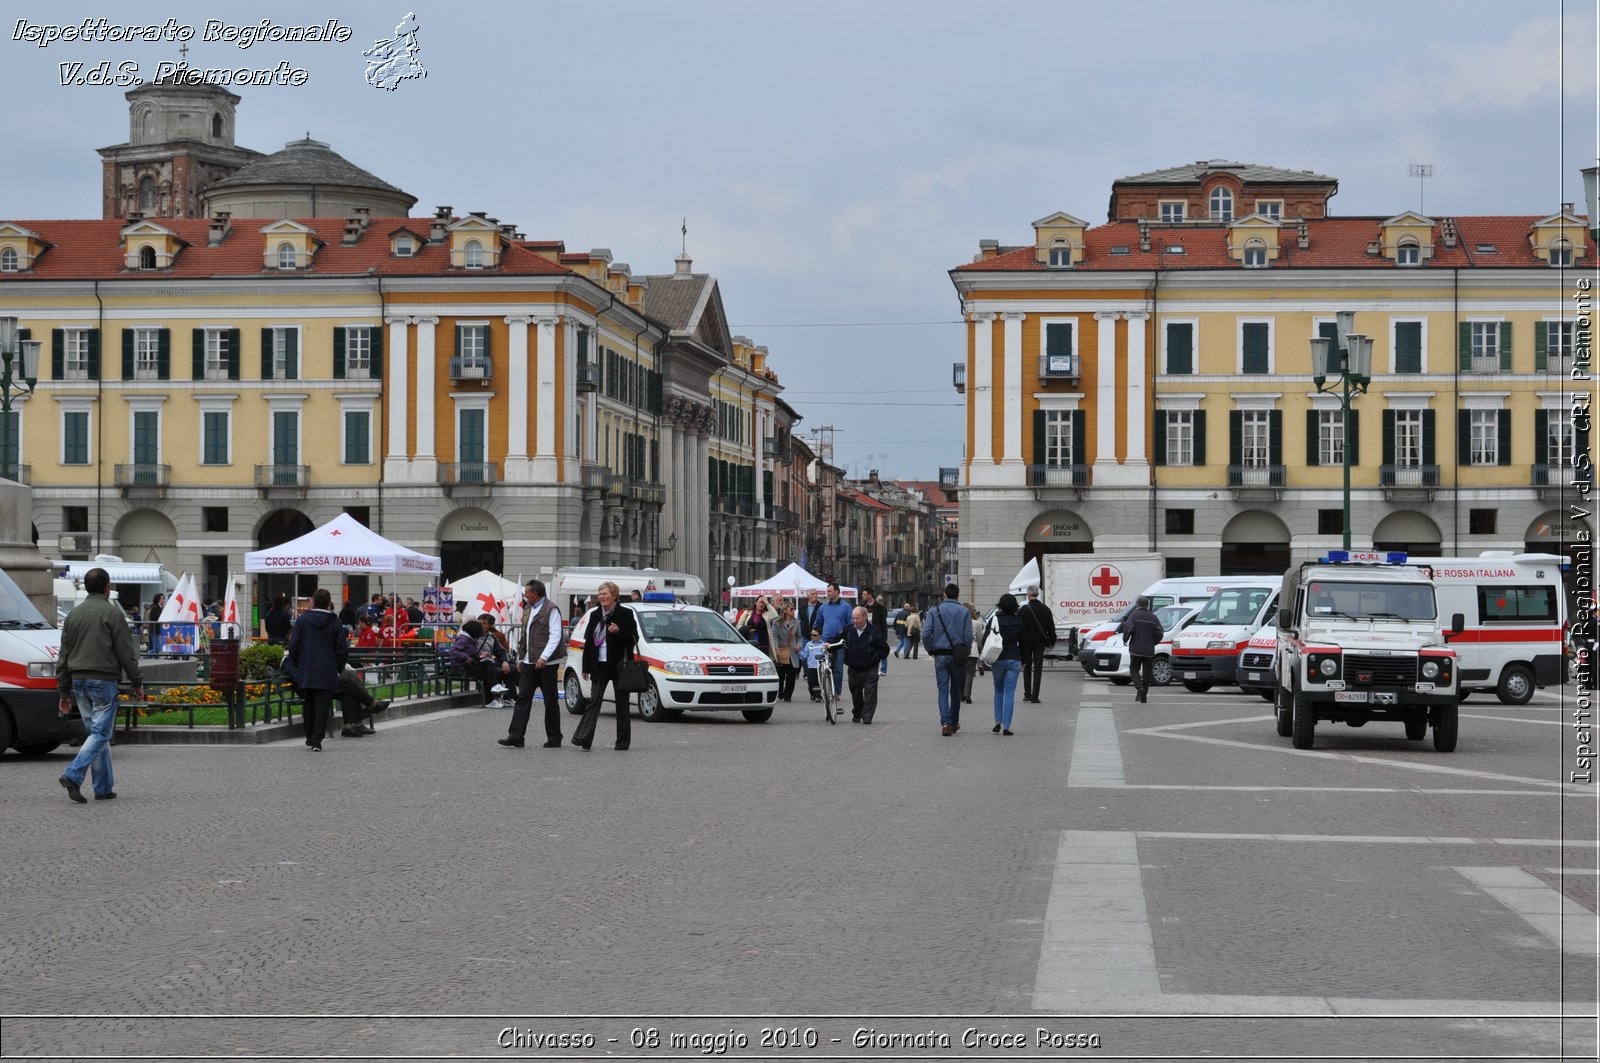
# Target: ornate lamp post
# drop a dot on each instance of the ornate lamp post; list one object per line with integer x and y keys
{"x": 1352, "y": 362}
{"x": 19, "y": 372}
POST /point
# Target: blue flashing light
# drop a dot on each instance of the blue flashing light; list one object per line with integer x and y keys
{"x": 659, "y": 596}
{"x": 1365, "y": 557}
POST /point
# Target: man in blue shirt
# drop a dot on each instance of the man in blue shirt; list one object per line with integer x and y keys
{"x": 947, "y": 635}
{"x": 833, "y": 616}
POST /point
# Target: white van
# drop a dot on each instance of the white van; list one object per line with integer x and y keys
{"x": 1206, "y": 651}
{"x": 1516, "y": 613}
{"x": 1173, "y": 590}
{"x": 29, "y": 647}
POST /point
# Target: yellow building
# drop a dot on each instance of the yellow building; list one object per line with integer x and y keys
{"x": 1145, "y": 384}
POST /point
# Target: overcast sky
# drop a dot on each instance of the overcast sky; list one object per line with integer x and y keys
{"x": 835, "y": 159}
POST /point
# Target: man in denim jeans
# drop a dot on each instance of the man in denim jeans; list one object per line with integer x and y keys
{"x": 947, "y": 635}
{"x": 96, "y": 649}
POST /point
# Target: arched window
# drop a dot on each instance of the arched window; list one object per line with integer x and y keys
{"x": 1561, "y": 253}
{"x": 1221, "y": 205}
{"x": 286, "y": 256}
{"x": 472, "y": 255}
{"x": 216, "y": 126}
{"x": 1060, "y": 253}
{"x": 8, "y": 260}
{"x": 147, "y": 195}
{"x": 1255, "y": 254}
{"x": 1408, "y": 253}
{"x": 147, "y": 257}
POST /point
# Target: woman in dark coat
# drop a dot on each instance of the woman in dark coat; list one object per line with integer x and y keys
{"x": 1009, "y": 666}
{"x": 609, "y": 639}
{"x": 278, "y": 621}
{"x": 317, "y": 653}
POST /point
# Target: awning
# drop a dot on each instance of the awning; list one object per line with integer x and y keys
{"x": 120, "y": 572}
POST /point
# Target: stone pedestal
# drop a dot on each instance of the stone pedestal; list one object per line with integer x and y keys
{"x": 19, "y": 557}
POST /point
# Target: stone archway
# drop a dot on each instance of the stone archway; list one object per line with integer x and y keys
{"x": 276, "y": 528}
{"x": 1254, "y": 543}
{"x": 1409, "y": 531}
{"x": 471, "y": 540}
{"x": 1056, "y": 531}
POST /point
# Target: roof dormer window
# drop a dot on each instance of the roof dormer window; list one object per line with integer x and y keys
{"x": 1561, "y": 253}
{"x": 286, "y": 256}
{"x": 1255, "y": 254}
{"x": 1408, "y": 253}
{"x": 9, "y": 260}
{"x": 403, "y": 246}
{"x": 472, "y": 255}
{"x": 1060, "y": 254}
{"x": 147, "y": 257}
{"x": 1221, "y": 205}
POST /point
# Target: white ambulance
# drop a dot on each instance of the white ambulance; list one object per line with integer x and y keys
{"x": 29, "y": 645}
{"x": 1174, "y": 590}
{"x": 697, "y": 662}
{"x": 1516, "y": 613}
{"x": 1206, "y": 651}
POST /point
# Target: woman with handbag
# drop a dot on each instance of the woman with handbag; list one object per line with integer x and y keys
{"x": 785, "y": 635}
{"x": 608, "y": 643}
{"x": 1004, "y": 627}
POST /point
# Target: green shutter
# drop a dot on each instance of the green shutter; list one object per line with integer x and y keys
{"x": 199, "y": 337}
{"x": 94, "y": 353}
{"x": 1038, "y": 437}
{"x": 1408, "y": 347}
{"x": 1541, "y": 437}
{"x": 1313, "y": 454}
{"x": 1080, "y": 446}
{"x": 1429, "y": 457}
{"x": 1504, "y": 438}
{"x": 1274, "y": 437}
{"x": 164, "y": 353}
{"x": 127, "y": 354}
{"x": 1541, "y": 343}
{"x": 1464, "y": 437}
{"x": 1235, "y": 437}
{"x": 291, "y": 354}
{"x": 266, "y": 354}
{"x": 1255, "y": 347}
{"x": 1388, "y": 437}
{"x": 1199, "y": 437}
{"x": 1180, "y": 348}
{"x": 1505, "y": 346}
{"x": 58, "y": 353}
{"x": 379, "y": 352}
{"x": 234, "y": 352}
{"x": 1464, "y": 346}
{"x": 1158, "y": 444}
{"x": 338, "y": 353}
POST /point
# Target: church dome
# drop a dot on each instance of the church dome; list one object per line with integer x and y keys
{"x": 307, "y": 179}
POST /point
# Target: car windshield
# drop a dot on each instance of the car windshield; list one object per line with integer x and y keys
{"x": 15, "y": 608}
{"x": 1173, "y": 614}
{"x": 1234, "y": 605}
{"x": 671, "y": 625}
{"x": 1368, "y": 601}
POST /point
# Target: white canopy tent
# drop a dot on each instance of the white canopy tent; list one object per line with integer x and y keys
{"x": 482, "y": 590}
{"x": 790, "y": 580}
{"x": 1027, "y": 576}
{"x": 343, "y": 544}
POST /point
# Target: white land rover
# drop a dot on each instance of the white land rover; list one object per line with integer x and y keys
{"x": 1361, "y": 641}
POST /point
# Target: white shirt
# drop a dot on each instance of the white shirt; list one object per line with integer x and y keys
{"x": 555, "y": 633}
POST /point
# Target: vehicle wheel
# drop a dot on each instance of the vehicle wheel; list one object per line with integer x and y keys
{"x": 1195, "y": 686}
{"x": 650, "y": 704}
{"x": 1088, "y": 668}
{"x": 1465, "y": 694}
{"x": 1161, "y": 671}
{"x": 1303, "y": 730}
{"x": 576, "y": 702}
{"x": 1282, "y": 715}
{"x": 1266, "y": 695}
{"x": 1516, "y": 686}
{"x": 757, "y": 715}
{"x": 1417, "y": 728}
{"x": 1120, "y": 680}
{"x": 1445, "y": 720}
{"x": 38, "y": 749}
{"x": 8, "y": 732}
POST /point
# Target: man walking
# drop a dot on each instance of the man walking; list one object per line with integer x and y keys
{"x": 539, "y": 659}
{"x": 1143, "y": 631}
{"x": 96, "y": 649}
{"x": 947, "y": 633}
{"x": 878, "y": 615}
{"x": 864, "y": 649}
{"x": 833, "y": 617}
{"x": 1038, "y": 635}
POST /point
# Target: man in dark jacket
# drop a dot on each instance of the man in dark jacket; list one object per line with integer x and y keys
{"x": 317, "y": 653}
{"x": 864, "y": 650}
{"x": 1143, "y": 632}
{"x": 96, "y": 649}
{"x": 1038, "y": 635}
{"x": 878, "y": 616}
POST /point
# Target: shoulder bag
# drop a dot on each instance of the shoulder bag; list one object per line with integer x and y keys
{"x": 959, "y": 650}
{"x": 994, "y": 644}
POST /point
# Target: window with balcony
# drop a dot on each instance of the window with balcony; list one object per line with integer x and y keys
{"x": 1325, "y": 437}
{"x": 218, "y": 355}
{"x": 1485, "y": 347}
{"x": 285, "y": 439}
{"x": 1553, "y": 345}
{"x": 1255, "y": 438}
{"x": 1221, "y": 205}
{"x": 1481, "y": 441}
{"x": 1058, "y": 449}
{"x": 1407, "y": 437}
{"x": 1058, "y": 359}
{"x": 76, "y": 350}
{"x": 1255, "y": 448}
{"x": 353, "y": 357}
{"x": 1180, "y": 437}
{"x": 146, "y": 450}
{"x": 1180, "y": 347}
{"x": 11, "y": 435}
{"x": 280, "y": 353}
{"x": 472, "y": 352}
{"x": 143, "y": 356}
{"x": 1408, "y": 448}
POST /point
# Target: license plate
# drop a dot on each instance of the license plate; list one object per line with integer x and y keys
{"x": 1350, "y": 695}
{"x": 733, "y": 688}
{"x": 1191, "y": 675}
{"x": 1424, "y": 688}
{"x": 1254, "y": 676}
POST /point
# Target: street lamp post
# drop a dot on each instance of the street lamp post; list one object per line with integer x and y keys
{"x": 1354, "y": 369}
{"x": 19, "y": 372}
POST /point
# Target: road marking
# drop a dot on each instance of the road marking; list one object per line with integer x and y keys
{"x": 1370, "y": 839}
{"x": 1096, "y": 752}
{"x": 1567, "y": 924}
{"x": 1167, "y": 731}
{"x": 1097, "y": 955}
{"x": 1458, "y": 791}
{"x": 1513, "y": 719}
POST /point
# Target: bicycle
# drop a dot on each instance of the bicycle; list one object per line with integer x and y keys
{"x": 825, "y": 682}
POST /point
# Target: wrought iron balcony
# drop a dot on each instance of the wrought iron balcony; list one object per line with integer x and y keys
{"x": 1058, "y": 475}
{"x": 1058, "y": 367}
{"x": 283, "y": 477}
{"x": 772, "y": 447}
{"x": 958, "y": 377}
{"x": 143, "y": 475}
{"x": 949, "y": 477}
{"x": 467, "y": 474}
{"x": 1551, "y": 481}
{"x": 471, "y": 368}
{"x": 1408, "y": 481}
{"x": 588, "y": 376}
{"x": 22, "y": 474}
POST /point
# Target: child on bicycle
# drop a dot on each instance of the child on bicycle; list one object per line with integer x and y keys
{"x": 813, "y": 649}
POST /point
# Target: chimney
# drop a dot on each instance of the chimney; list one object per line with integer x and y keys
{"x": 988, "y": 249}
{"x": 1144, "y": 235}
{"x": 685, "y": 265}
{"x": 1302, "y": 238}
{"x": 356, "y": 224}
{"x": 1566, "y": 208}
{"x": 135, "y": 215}
{"x": 441, "y": 218}
{"x": 1447, "y": 230}
{"x": 220, "y": 225}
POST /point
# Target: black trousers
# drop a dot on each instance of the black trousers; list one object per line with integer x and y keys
{"x": 543, "y": 679}
{"x": 355, "y": 700}
{"x": 317, "y": 708}
{"x": 787, "y": 674}
{"x": 1032, "y": 672}
{"x": 1139, "y": 667}
{"x": 863, "y": 691}
{"x": 604, "y": 677}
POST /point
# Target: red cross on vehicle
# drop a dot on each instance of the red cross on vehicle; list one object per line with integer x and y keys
{"x": 1105, "y": 581}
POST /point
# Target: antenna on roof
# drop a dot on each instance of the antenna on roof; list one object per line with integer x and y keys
{"x": 1421, "y": 171}
{"x": 685, "y": 247}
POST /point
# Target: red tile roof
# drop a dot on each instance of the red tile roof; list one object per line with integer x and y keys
{"x": 92, "y": 250}
{"x": 1335, "y": 243}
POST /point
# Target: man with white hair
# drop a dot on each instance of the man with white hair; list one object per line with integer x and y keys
{"x": 864, "y": 650}
{"x": 1038, "y": 635}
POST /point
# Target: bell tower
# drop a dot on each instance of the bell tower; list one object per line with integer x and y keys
{"x": 180, "y": 140}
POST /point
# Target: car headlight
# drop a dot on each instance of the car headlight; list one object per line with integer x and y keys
{"x": 766, "y": 668}
{"x": 1329, "y": 666}
{"x": 1430, "y": 669}
{"x": 1219, "y": 644}
{"x": 684, "y": 668}
{"x": 41, "y": 669}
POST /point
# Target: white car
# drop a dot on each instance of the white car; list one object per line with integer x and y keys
{"x": 1258, "y": 663}
{"x": 1111, "y": 658}
{"x": 697, "y": 661}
